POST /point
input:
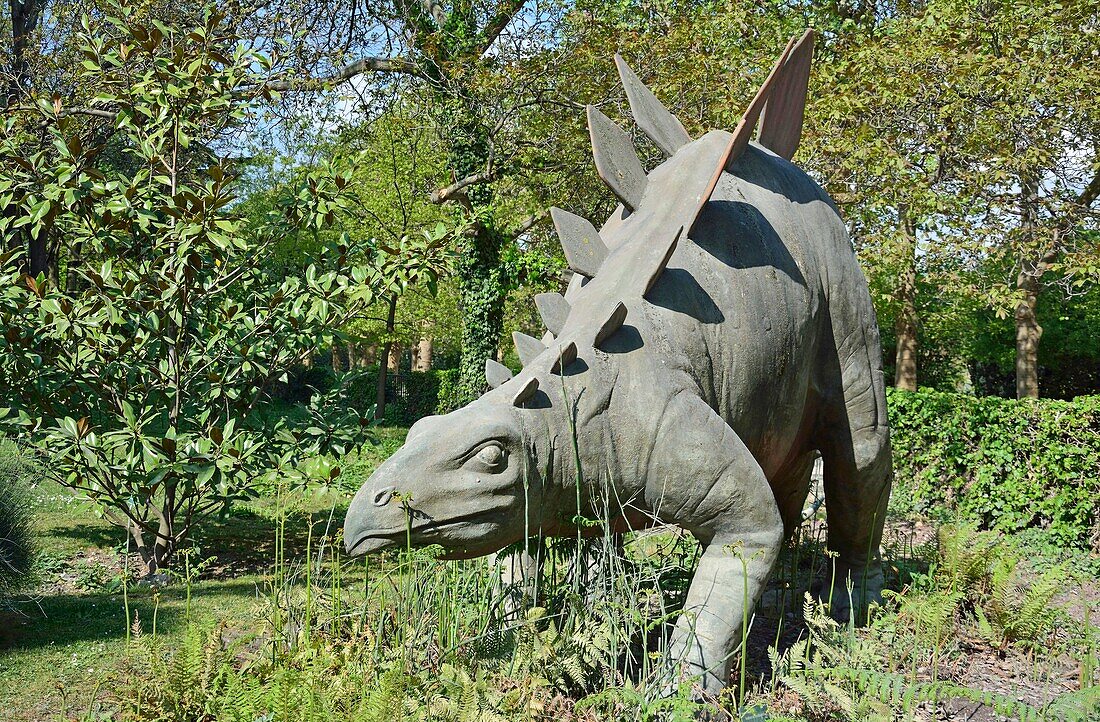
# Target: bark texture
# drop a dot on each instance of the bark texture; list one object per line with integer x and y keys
{"x": 424, "y": 354}
{"x": 383, "y": 368}
{"x": 905, "y": 325}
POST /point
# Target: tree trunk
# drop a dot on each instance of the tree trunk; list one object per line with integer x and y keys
{"x": 74, "y": 282}
{"x": 481, "y": 297}
{"x": 370, "y": 358}
{"x": 337, "y": 359}
{"x": 155, "y": 552}
{"x": 38, "y": 257}
{"x": 481, "y": 286}
{"x": 905, "y": 325}
{"x": 393, "y": 360}
{"x": 24, "y": 21}
{"x": 1028, "y": 333}
{"x": 1028, "y": 279}
{"x": 380, "y": 389}
{"x": 353, "y": 355}
{"x": 424, "y": 354}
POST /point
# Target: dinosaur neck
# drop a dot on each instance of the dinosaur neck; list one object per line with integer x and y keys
{"x": 571, "y": 438}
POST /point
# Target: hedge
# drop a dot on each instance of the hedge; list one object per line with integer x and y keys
{"x": 1009, "y": 465}
{"x": 410, "y": 395}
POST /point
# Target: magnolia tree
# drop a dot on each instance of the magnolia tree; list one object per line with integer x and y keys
{"x": 143, "y": 376}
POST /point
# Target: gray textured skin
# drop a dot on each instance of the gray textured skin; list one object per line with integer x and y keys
{"x": 756, "y": 345}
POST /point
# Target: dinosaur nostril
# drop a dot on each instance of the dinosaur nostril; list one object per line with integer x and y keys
{"x": 383, "y": 496}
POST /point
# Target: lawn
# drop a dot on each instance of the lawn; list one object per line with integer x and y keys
{"x": 61, "y": 645}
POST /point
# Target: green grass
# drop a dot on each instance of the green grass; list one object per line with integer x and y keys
{"x": 57, "y": 644}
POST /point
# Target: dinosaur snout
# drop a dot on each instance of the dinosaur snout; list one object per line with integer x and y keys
{"x": 374, "y": 518}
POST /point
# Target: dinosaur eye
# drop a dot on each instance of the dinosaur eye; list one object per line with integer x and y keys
{"x": 492, "y": 455}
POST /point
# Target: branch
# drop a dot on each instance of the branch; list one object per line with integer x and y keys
{"x": 95, "y": 112}
{"x": 349, "y": 71}
{"x": 1090, "y": 192}
{"x": 1083, "y": 202}
{"x": 505, "y": 12}
{"x": 64, "y": 112}
{"x": 528, "y": 223}
{"x": 456, "y": 189}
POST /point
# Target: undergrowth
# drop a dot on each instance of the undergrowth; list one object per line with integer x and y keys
{"x": 409, "y": 636}
{"x": 17, "y": 548}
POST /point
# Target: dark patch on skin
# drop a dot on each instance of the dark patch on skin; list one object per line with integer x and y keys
{"x": 625, "y": 340}
{"x": 739, "y": 235}
{"x": 576, "y": 368}
{"x": 539, "y": 401}
{"x": 677, "y": 290}
{"x": 777, "y": 175}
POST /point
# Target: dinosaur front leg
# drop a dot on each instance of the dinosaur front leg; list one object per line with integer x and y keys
{"x": 722, "y": 496}
{"x": 731, "y": 576}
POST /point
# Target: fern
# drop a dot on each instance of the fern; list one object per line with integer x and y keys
{"x": 831, "y": 669}
{"x": 963, "y": 557}
{"x": 1082, "y": 704}
{"x": 387, "y": 701}
{"x": 1021, "y": 613}
{"x": 571, "y": 661}
{"x": 931, "y": 615}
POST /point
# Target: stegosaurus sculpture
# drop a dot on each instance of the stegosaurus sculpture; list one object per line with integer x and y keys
{"x": 716, "y": 335}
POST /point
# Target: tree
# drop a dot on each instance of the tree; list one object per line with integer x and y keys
{"x": 461, "y": 59}
{"x": 397, "y": 163}
{"x": 1032, "y": 163}
{"x": 24, "y": 17}
{"x": 891, "y": 153}
{"x": 432, "y": 248}
{"x": 146, "y": 389}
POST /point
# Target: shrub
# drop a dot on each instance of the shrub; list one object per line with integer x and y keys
{"x": 449, "y": 396}
{"x": 1008, "y": 465}
{"x": 16, "y": 545}
{"x": 148, "y": 389}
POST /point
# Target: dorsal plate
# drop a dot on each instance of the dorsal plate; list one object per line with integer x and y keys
{"x": 576, "y": 283}
{"x": 781, "y": 126}
{"x": 554, "y": 309}
{"x": 613, "y": 323}
{"x": 739, "y": 140}
{"x": 656, "y": 271}
{"x": 496, "y": 373}
{"x": 616, "y": 162}
{"x": 566, "y": 355}
{"x": 607, "y": 230}
{"x": 527, "y": 347}
{"x": 745, "y": 128}
{"x": 661, "y": 126}
{"x": 584, "y": 249}
{"x": 530, "y": 386}
{"x": 678, "y": 190}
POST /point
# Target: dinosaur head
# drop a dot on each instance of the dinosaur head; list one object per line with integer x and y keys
{"x": 458, "y": 482}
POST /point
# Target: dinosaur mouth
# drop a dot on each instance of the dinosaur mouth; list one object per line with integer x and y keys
{"x": 376, "y": 540}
